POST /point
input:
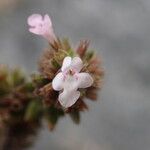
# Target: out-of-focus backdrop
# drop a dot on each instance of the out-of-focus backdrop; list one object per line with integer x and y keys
{"x": 120, "y": 32}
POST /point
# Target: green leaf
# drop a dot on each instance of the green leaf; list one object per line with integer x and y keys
{"x": 17, "y": 77}
{"x": 66, "y": 44}
{"x": 33, "y": 111}
{"x": 39, "y": 80}
{"x": 55, "y": 63}
{"x": 75, "y": 116}
{"x": 28, "y": 87}
{"x": 71, "y": 53}
{"x": 53, "y": 114}
{"x": 89, "y": 55}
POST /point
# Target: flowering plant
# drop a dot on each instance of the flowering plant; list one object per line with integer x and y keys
{"x": 67, "y": 78}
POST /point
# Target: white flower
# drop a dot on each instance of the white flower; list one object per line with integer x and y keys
{"x": 69, "y": 80}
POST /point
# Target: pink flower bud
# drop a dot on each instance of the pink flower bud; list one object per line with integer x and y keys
{"x": 42, "y": 26}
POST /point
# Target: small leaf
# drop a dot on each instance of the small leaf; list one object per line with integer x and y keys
{"x": 71, "y": 53}
{"x": 28, "y": 87}
{"x": 66, "y": 44}
{"x": 39, "y": 80}
{"x": 33, "y": 111}
{"x": 55, "y": 63}
{"x": 89, "y": 55}
{"x": 75, "y": 116}
{"x": 52, "y": 115}
{"x": 17, "y": 77}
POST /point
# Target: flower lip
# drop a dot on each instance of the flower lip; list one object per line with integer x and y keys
{"x": 34, "y": 19}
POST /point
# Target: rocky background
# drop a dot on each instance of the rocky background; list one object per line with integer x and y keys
{"x": 120, "y": 32}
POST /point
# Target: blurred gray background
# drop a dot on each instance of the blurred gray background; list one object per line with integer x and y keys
{"x": 120, "y": 31}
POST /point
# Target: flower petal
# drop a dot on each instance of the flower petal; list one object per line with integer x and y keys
{"x": 35, "y": 30}
{"x": 34, "y": 19}
{"x": 66, "y": 63}
{"x": 67, "y": 99}
{"x": 70, "y": 83}
{"x": 58, "y": 81}
{"x": 47, "y": 20}
{"x": 77, "y": 64}
{"x": 84, "y": 80}
{"x": 48, "y": 31}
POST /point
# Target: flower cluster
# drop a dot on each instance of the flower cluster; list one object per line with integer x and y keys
{"x": 67, "y": 78}
{"x": 67, "y": 75}
{"x": 19, "y": 107}
{"x": 16, "y": 96}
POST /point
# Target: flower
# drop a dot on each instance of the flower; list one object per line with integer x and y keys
{"x": 69, "y": 80}
{"x": 41, "y": 26}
